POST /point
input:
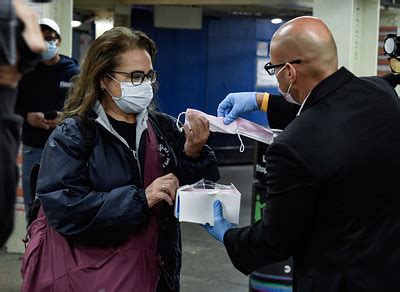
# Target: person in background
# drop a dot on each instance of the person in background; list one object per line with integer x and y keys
{"x": 30, "y": 44}
{"x": 331, "y": 185}
{"x": 109, "y": 202}
{"x": 41, "y": 95}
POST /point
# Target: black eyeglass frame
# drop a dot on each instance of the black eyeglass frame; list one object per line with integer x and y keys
{"x": 148, "y": 75}
{"x": 269, "y": 66}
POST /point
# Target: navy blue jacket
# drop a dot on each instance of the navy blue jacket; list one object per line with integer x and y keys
{"x": 101, "y": 200}
{"x": 42, "y": 90}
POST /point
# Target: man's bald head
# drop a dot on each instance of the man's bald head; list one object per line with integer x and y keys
{"x": 307, "y": 39}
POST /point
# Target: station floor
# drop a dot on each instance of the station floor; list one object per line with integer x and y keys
{"x": 206, "y": 266}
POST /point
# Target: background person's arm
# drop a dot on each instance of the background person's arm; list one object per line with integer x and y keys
{"x": 9, "y": 140}
{"x": 9, "y": 122}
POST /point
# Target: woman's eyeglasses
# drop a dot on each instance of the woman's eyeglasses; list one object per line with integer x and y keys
{"x": 137, "y": 77}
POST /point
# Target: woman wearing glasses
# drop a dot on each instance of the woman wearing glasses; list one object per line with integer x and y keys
{"x": 108, "y": 179}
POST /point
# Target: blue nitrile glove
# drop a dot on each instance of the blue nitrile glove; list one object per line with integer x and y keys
{"x": 221, "y": 225}
{"x": 235, "y": 104}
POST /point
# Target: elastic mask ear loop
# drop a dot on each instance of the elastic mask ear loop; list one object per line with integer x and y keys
{"x": 112, "y": 95}
{"x": 177, "y": 122}
{"x": 113, "y": 79}
{"x": 290, "y": 86}
{"x": 241, "y": 149}
{"x": 116, "y": 97}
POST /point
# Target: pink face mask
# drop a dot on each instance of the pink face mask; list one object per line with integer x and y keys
{"x": 240, "y": 127}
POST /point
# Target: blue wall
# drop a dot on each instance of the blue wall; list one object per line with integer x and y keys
{"x": 198, "y": 68}
{"x": 231, "y": 58}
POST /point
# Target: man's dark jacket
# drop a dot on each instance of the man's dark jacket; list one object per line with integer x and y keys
{"x": 333, "y": 191}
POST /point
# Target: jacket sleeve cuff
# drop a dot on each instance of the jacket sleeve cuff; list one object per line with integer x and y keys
{"x": 141, "y": 196}
{"x": 194, "y": 159}
{"x": 229, "y": 243}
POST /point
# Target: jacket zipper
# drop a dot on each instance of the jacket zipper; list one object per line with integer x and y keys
{"x": 164, "y": 273}
{"x": 137, "y": 162}
{"x": 134, "y": 152}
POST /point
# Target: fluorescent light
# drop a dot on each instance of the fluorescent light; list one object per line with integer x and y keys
{"x": 75, "y": 23}
{"x": 276, "y": 20}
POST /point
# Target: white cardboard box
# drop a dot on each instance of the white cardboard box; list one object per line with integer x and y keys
{"x": 194, "y": 204}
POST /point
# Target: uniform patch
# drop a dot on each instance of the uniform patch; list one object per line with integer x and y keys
{"x": 65, "y": 84}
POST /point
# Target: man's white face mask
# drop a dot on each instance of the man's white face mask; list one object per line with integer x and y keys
{"x": 288, "y": 97}
{"x": 240, "y": 127}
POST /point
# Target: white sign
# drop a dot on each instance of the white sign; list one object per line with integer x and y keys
{"x": 263, "y": 78}
{"x": 262, "y": 49}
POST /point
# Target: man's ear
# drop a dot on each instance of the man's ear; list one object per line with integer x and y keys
{"x": 292, "y": 74}
{"x": 59, "y": 42}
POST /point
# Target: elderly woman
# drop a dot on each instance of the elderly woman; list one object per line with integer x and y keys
{"x": 109, "y": 176}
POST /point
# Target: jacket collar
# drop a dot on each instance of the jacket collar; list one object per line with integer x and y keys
{"x": 327, "y": 86}
{"x": 141, "y": 123}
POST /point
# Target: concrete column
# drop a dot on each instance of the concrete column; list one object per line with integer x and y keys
{"x": 122, "y": 15}
{"x": 61, "y": 12}
{"x": 355, "y": 27}
{"x": 390, "y": 17}
{"x": 104, "y": 20}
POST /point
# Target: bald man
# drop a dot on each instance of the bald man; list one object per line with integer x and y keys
{"x": 332, "y": 179}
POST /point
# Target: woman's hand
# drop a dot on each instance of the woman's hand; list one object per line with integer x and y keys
{"x": 162, "y": 189}
{"x": 196, "y": 135}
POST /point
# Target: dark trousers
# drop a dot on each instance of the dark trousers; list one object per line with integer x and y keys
{"x": 9, "y": 140}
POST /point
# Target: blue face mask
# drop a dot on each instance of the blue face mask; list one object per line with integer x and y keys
{"x": 52, "y": 50}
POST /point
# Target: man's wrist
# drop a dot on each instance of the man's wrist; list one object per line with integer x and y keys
{"x": 262, "y": 101}
{"x": 224, "y": 233}
{"x": 192, "y": 155}
{"x": 259, "y": 99}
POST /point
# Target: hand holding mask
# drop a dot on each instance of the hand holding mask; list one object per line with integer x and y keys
{"x": 239, "y": 126}
{"x": 196, "y": 133}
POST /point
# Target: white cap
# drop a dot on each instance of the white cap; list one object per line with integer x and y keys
{"x": 50, "y": 23}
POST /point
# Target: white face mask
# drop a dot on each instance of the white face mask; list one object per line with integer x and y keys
{"x": 134, "y": 98}
{"x": 288, "y": 97}
{"x": 240, "y": 127}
